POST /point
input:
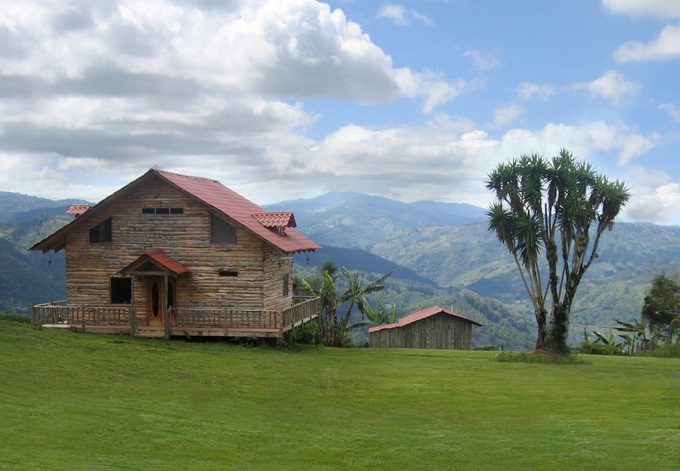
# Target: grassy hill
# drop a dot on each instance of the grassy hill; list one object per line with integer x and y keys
{"x": 80, "y": 402}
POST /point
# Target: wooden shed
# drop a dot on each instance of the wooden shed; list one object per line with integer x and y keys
{"x": 430, "y": 328}
{"x": 171, "y": 254}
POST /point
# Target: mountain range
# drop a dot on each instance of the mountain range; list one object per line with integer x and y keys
{"x": 438, "y": 253}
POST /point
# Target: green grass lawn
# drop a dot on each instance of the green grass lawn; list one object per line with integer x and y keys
{"x": 77, "y": 401}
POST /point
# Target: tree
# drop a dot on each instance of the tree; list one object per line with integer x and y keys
{"x": 635, "y": 335}
{"x": 332, "y": 327}
{"x": 378, "y": 315}
{"x": 550, "y": 206}
{"x": 662, "y": 308}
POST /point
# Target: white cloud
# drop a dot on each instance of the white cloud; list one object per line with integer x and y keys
{"x": 483, "y": 61}
{"x": 655, "y": 197}
{"x": 527, "y": 90}
{"x": 400, "y": 15}
{"x": 624, "y": 141}
{"x": 506, "y": 115}
{"x": 125, "y": 83}
{"x": 94, "y": 93}
{"x": 664, "y": 9}
{"x": 611, "y": 86}
{"x": 446, "y": 159}
{"x": 280, "y": 48}
{"x": 665, "y": 47}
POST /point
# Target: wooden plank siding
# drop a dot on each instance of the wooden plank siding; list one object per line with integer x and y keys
{"x": 438, "y": 331}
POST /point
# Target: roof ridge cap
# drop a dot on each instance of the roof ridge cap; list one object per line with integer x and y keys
{"x": 193, "y": 177}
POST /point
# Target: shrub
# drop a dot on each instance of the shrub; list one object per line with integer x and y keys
{"x": 666, "y": 351}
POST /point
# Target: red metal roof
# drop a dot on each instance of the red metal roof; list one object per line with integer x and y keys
{"x": 158, "y": 258}
{"x": 425, "y": 313}
{"x": 239, "y": 209}
{"x": 211, "y": 193}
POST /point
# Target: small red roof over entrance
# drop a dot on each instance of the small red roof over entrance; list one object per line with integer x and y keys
{"x": 431, "y": 311}
{"x": 157, "y": 258}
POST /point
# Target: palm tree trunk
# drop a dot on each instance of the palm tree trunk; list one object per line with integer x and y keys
{"x": 559, "y": 329}
{"x": 542, "y": 338}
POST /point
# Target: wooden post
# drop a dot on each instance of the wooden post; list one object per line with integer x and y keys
{"x": 133, "y": 310}
{"x": 167, "y": 313}
{"x": 166, "y": 323}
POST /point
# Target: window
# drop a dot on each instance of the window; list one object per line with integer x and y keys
{"x": 121, "y": 290}
{"x": 162, "y": 210}
{"x": 221, "y": 233}
{"x": 285, "y": 285}
{"x": 228, "y": 273}
{"x": 101, "y": 232}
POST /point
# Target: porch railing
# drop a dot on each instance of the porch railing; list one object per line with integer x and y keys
{"x": 300, "y": 312}
{"x": 60, "y": 312}
{"x": 226, "y": 318}
{"x": 188, "y": 318}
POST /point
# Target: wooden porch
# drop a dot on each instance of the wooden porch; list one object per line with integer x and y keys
{"x": 185, "y": 322}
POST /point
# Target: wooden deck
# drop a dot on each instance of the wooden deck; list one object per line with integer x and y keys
{"x": 213, "y": 322}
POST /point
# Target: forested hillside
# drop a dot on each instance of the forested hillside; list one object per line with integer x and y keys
{"x": 29, "y": 277}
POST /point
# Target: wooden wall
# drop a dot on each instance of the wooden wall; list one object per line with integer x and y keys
{"x": 186, "y": 238}
{"x": 277, "y": 265}
{"x": 439, "y": 331}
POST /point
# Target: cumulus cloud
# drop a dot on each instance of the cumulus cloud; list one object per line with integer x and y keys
{"x": 623, "y": 141}
{"x": 665, "y": 47}
{"x": 656, "y": 197}
{"x": 109, "y": 89}
{"x": 123, "y": 83}
{"x": 611, "y": 86}
{"x": 400, "y": 15}
{"x": 527, "y": 91}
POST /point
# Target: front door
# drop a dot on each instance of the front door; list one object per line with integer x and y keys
{"x": 160, "y": 296}
{"x": 155, "y": 297}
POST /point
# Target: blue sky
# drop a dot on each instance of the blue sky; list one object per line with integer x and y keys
{"x": 279, "y": 100}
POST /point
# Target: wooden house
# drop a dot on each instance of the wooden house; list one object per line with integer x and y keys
{"x": 170, "y": 254}
{"x": 430, "y": 328}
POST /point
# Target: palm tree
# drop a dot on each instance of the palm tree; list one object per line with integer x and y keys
{"x": 378, "y": 315}
{"x": 332, "y": 327}
{"x": 548, "y": 207}
{"x": 636, "y": 334}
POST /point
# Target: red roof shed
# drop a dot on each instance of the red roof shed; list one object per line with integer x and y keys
{"x": 433, "y": 327}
